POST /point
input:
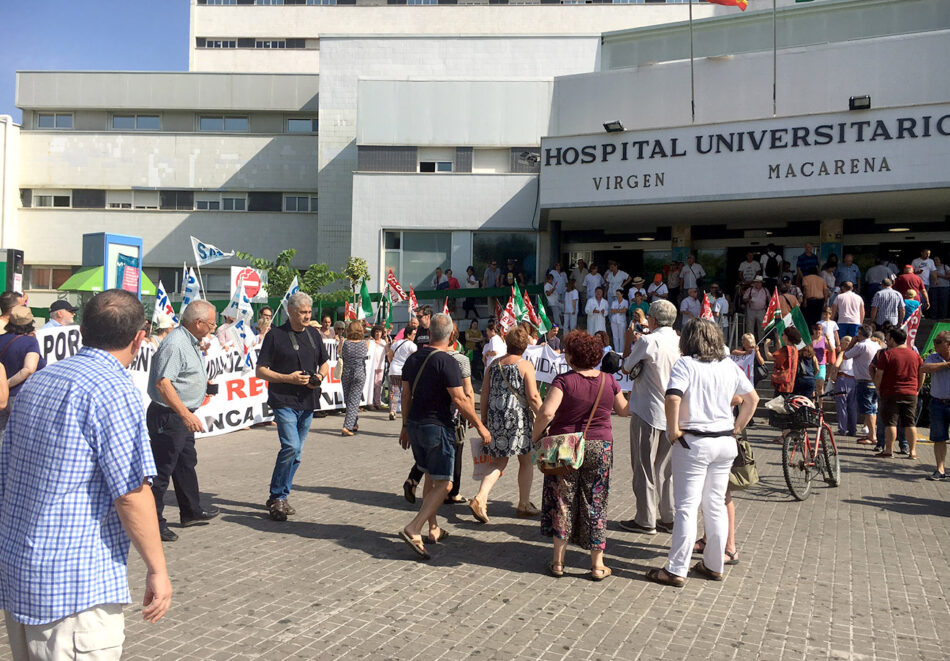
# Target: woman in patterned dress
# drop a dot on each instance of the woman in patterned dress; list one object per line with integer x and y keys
{"x": 354, "y": 352}
{"x": 509, "y": 395}
{"x": 574, "y": 506}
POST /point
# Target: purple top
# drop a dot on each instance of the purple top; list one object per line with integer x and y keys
{"x": 579, "y": 395}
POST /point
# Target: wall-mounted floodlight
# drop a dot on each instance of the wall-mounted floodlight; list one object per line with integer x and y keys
{"x": 613, "y": 127}
{"x": 529, "y": 158}
{"x": 859, "y": 103}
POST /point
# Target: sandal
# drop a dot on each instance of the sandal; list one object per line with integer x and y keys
{"x": 478, "y": 511}
{"x": 884, "y": 455}
{"x": 913, "y": 456}
{"x": 733, "y": 560}
{"x": 865, "y": 441}
{"x": 417, "y": 547}
{"x": 409, "y": 490}
{"x": 556, "y": 570}
{"x": 458, "y": 500}
{"x": 346, "y": 432}
{"x": 700, "y": 545}
{"x": 665, "y": 578}
{"x": 443, "y": 535}
{"x": 599, "y": 573}
{"x": 528, "y": 511}
{"x": 705, "y": 571}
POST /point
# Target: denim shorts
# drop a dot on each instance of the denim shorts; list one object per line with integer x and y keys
{"x": 433, "y": 448}
{"x": 939, "y": 421}
{"x": 867, "y": 398}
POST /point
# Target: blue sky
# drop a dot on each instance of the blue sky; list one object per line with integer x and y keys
{"x": 130, "y": 35}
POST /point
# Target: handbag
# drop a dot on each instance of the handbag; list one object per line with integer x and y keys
{"x": 744, "y": 473}
{"x": 759, "y": 372}
{"x": 560, "y": 454}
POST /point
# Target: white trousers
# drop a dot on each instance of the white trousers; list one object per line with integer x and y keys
{"x": 95, "y": 634}
{"x": 618, "y": 328}
{"x": 700, "y": 477}
{"x": 556, "y": 310}
{"x": 570, "y": 322}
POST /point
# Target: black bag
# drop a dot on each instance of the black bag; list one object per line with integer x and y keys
{"x": 611, "y": 363}
{"x": 772, "y": 268}
{"x": 759, "y": 372}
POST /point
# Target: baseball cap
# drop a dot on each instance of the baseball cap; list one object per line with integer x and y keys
{"x": 62, "y": 305}
{"x": 163, "y": 321}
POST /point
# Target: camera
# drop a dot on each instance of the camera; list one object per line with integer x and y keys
{"x": 313, "y": 381}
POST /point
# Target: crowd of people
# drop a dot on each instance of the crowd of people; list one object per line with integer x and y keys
{"x": 77, "y": 426}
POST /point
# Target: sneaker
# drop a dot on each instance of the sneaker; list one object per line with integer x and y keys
{"x": 903, "y": 450}
{"x": 663, "y": 526}
{"x": 633, "y": 526}
{"x": 287, "y": 506}
{"x": 278, "y": 510}
{"x": 937, "y": 477}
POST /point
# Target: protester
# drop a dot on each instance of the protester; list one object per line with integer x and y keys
{"x": 71, "y": 501}
{"x": 937, "y": 366}
{"x": 655, "y": 352}
{"x": 898, "y": 379}
{"x": 828, "y": 274}
{"x": 424, "y": 316}
{"x": 862, "y": 350}
{"x": 265, "y": 316}
{"x": 846, "y": 401}
{"x": 658, "y": 288}
{"x": 749, "y": 269}
{"x": 578, "y": 273}
{"x": 875, "y": 276}
{"x": 400, "y": 350}
{"x": 807, "y": 375}
{"x": 495, "y": 348}
{"x": 160, "y": 330}
{"x": 924, "y": 266}
{"x": 848, "y": 310}
{"x": 692, "y": 274}
{"x": 757, "y": 300}
{"x": 807, "y": 260}
{"x": 509, "y": 397}
{"x": 560, "y": 280}
{"x": 571, "y": 306}
{"x": 748, "y": 348}
{"x": 474, "y": 339}
{"x": 636, "y": 287}
{"x": 550, "y": 295}
{"x": 339, "y": 332}
{"x": 379, "y": 345}
{"x": 354, "y": 352}
{"x": 771, "y": 263}
{"x": 19, "y": 355}
{"x": 440, "y": 280}
{"x": 615, "y": 278}
{"x": 428, "y": 428}
{"x": 784, "y": 366}
{"x": 551, "y": 338}
{"x": 911, "y": 303}
{"x": 618, "y": 318}
{"x": 700, "y": 424}
{"x": 940, "y": 289}
{"x": 471, "y": 282}
{"x": 413, "y": 324}
{"x": 574, "y": 506}
{"x": 848, "y": 271}
{"x": 720, "y": 308}
{"x": 816, "y": 293}
{"x": 8, "y": 301}
{"x": 177, "y": 384}
{"x": 327, "y": 331}
{"x": 591, "y": 282}
{"x": 675, "y": 281}
{"x": 639, "y": 302}
{"x": 887, "y": 306}
{"x": 909, "y": 280}
{"x": 461, "y": 427}
{"x": 691, "y": 307}
{"x": 786, "y": 299}
{"x": 597, "y": 311}
{"x": 61, "y": 313}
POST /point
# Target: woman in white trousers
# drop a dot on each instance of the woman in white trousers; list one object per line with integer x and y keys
{"x": 699, "y": 399}
{"x": 571, "y": 307}
{"x": 618, "y": 319}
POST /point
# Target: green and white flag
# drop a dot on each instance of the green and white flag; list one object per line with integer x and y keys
{"x": 365, "y": 309}
{"x": 545, "y": 324}
{"x": 521, "y": 310}
{"x": 795, "y": 319}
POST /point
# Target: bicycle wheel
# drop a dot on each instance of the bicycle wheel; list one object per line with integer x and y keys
{"x": 798, "y": 474}
{"x": 830, "y": 451}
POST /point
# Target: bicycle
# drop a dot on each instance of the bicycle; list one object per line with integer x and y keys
{"x": 806, "y": 456}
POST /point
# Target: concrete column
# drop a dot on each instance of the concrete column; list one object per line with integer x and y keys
{"x": 830, "y": 239}
{"x": 682, "y": 242}
{"x": 554, "y": 253}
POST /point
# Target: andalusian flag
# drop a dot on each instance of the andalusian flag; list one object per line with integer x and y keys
{"x": 365, "y": 308}
{"x": 793, "y": 318}
{"x": 741, "y": 4}
{"x": 545, "y": 325}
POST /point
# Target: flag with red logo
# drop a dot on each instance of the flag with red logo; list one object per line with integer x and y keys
{"x": 741, "y": 4}
{"x": 395, "y": 287}
{"x": 413, "y": 303}
{"x": 445, "y": 306}
{"x": 349, "y": 312}
{"x": 910, "y": 326}
{"x": 508, "y": 319}
{"x": 706, "y": 312}
{"x": 774, "y": 306}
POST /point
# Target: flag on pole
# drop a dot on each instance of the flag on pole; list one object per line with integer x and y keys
{"x": 544, "y": 324}
{"x": 445, "y": 307}
{"x": 245, "y": 315}
{"x": 395, "y": 287}
{"x": 910, "y": 326}
{"x": 793, "y": 318}
{"x": 413, "y": 303}
{"x": 163, "y": 305}
{"x": 508, "y": 320}
{"x": 291, "y": 290}
{"x": 349, "y": 312}
{"x": 365, "y": 309}
{"x": 532, "y": 313}
{"x": 521, "y": 310}
{"x": 389, "y": 310}
{"x": 774, "y": 306}
{"x": 741, "y": 4}
{"x": 233, "y": 309}
{"x": 706, "y": 312}
{"x": 192, "y": 291}
{"x": 205, "y": 253}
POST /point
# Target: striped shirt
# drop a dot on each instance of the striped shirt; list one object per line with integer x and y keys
{"x": 179, "y": 360}
{"x": 76, "y": 441}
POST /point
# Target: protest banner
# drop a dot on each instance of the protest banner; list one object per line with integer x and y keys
{"x": 548, "y": 364}
{"x": 242, "y": 397}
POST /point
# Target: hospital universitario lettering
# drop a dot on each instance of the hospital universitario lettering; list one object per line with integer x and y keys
{"x": 838, "y": 163}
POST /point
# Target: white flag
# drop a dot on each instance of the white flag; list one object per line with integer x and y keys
{"x": 205, "y": 253}
{"x": 192, "y": 291}
{"x": 291, "y": 290}
{"x": 163, "y": 305}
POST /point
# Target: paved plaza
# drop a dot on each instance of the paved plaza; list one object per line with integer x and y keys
{"x": 852, "y": 573}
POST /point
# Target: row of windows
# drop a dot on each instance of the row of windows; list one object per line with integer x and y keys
{"x": 151, "y": 122}
{"x": 252, "y": 42}
{"x": 274, "y": 2}
{"x": 438, "y": 2}
{"x": 173, "y": 200}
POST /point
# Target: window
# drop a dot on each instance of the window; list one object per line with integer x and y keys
{"x": 302, "y": 125}
{"x": 220, "y": 43}
{"x": 500, "y": 246}
{"x": 264, "y": 201}
{"x": 435, "y": 166}
{"x": 89, "y": 198}
{"x": 300, "y": 203}
{"x": 145, "y": 199}
{"x": 178, "y": 200}
{"x": 217, "y": 2}
{"x": 270, "y": 43}
{"x": 414, "y": 256}
{"x": 58, "y": 120}
{"x": 422, "y": 2}
{"x": 52, "y": 199}
{"x": 233, "y": 203}
{"x": 208, "y": 205}
{"x": 119, "y": 199}
{"x": 268, "y": 2}
{"x": 321, "y": 2}
{"x": 45, "y": 277}
{"x": 218, "y": 123}
{"x": 136, "y": 122}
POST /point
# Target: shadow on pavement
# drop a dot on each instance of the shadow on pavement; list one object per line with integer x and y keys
{"x": 903, "y": 504}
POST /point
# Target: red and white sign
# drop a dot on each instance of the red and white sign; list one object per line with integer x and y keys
{"x": 707, "y": 308}
{"x": 911, "y": 326}
{"x": 395, "y": 287}
{"x": 255, "y": 283}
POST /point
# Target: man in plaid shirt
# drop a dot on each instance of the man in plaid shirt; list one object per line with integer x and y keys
{"x": 75, "y": 467}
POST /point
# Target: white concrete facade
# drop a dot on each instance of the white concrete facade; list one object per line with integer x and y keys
{"x": 9, "y": 178}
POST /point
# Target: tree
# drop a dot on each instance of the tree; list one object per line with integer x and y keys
{"x": 280, "y": 274}
{"x": 356, "y": 270}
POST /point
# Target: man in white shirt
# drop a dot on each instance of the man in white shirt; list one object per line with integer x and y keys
{"x": 848, "y": 310}
{"x": 649, "y": 447}
{"x": 720, "y": 307}
{"x": 861, "y": 351}
{"x": 771, "y": 263}
{"x": 597, "y": 312}
{"x": 658, "y": 289}
{"x": 636, "y": 287}
{"x": 571, "y": 307}
{"x": 691, "y": 307}
{"x": 924, "y": 266}
{"x": 550, "y": 294}
{"x": 749, "y": 269}
{"x": 692, "y": 273}
{"x": 615, "y": 278}
{"x": 560, "y": 280}
{"x": 592, "y": 281}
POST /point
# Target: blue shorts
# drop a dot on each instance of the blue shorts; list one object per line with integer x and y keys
{"x": 433, "y": 448}
{"x": 939, "y": 421}
{"x": 867, "y": 398}
{"x": 848, "y": 330}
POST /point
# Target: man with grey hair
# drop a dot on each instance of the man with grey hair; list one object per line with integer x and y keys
{"x": 887, "y": 306}
{"x": 651, "y": 360}
{"x": 294, "y": 361}
{"x": 177, "y": 384}
{"x": 431, "y": 383}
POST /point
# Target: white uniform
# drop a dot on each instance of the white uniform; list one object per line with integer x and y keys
{"x": 596, "y": 315}
{"x": 618, "y": 321}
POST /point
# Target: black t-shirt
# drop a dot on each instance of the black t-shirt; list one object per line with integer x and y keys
{"x": 422, "y": 337}
{"x": 431, "y": 402}
{"x": 278, "y": 354}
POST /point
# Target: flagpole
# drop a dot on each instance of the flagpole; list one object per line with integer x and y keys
{"x": 201, "y": 280}
{"x": 692, "y": 89}
{"x": 774, "y": 61}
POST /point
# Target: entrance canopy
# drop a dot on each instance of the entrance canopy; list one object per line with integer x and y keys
{"x": 89, "y": 279}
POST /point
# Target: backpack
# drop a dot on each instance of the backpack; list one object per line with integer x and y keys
{"x": 772, "y": 267}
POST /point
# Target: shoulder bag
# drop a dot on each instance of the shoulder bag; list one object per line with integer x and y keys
{"x": 744, "y": 473}
{"x": 560, "y": 454}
